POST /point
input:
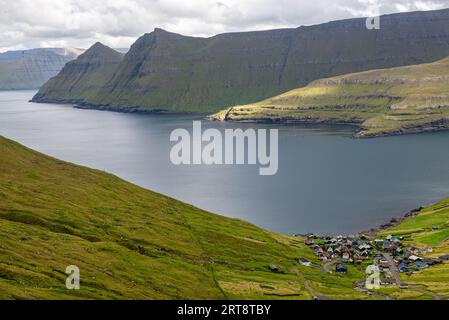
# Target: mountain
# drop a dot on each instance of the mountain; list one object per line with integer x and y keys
{"x": 131, "y": 243}
{"x": 82, "y": 78}
{"x": 163, "y": 70}
{"x": 29, "y": 69}
{"x": 380, "y": 102}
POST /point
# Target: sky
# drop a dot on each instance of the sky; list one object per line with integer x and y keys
{"x": 26, "y": 24}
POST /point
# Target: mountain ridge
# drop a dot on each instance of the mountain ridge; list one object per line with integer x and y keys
{"x": 83, "y": 76}
{"x": 168, "y": 71}
{"x": 29, "y": 69}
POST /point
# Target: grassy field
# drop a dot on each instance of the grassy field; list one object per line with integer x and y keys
{"x": 380, "y": 102}
{"x": 131, "y": 243}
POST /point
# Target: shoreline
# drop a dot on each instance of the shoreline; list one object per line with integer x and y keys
{"x": 394, "y": 221}
{"x": 136, "y": 110}
{"x": 438, "y": 127}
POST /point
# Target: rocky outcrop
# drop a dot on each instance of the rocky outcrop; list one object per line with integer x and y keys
{"x": 169, "y": 71}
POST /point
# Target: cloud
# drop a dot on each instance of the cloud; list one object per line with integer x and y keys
{"x": 80, "y": 23}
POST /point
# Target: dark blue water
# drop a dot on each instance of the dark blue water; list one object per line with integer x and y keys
{"x": 327, "y": 181}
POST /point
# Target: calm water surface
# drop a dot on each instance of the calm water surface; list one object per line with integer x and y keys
{"x": 327, "y": 181}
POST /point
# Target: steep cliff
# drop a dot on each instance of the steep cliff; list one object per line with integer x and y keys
{"x": 163, "y": 70}
{"x": 83, "y": 77}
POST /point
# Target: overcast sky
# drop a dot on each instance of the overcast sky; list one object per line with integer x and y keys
{"x": 117, "y": 23}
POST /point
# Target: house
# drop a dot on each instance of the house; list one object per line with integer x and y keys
{"x": 364, "y": 246}
{"x": 420, "y": 265}
{"x": 430, "y": 262}
{"x": 275, "y": 269}
{"x": 428, "y": 249}
{"x": 319, "y": 250}
{"x": 414, "y": 258}
{"x": 384, "y": 263}
{"x": 444, "y": 258}
{"x": 341, "y": 268}
{"x": 435, "y": 228}
{"x": 304, "y": 262}
{"x": 309, "y": 242}
{"x": 403, "y": 268}
{"x": 365, "y": 254}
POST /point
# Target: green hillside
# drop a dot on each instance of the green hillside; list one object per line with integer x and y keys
{"x": 168, "y": 71}
{"x": 380, "y": 102}
{"x": 131, "y": 243}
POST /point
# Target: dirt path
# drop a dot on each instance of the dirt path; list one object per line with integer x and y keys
{"x": 308, "y": 287}
{"x": 360, "y": 287}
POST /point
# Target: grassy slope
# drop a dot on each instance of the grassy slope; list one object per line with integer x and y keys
{"x": 54, "y": 214}
{"x": 381, "y": 102}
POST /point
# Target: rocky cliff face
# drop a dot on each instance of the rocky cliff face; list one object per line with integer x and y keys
{"x": 30, "y": 69}
{"x": 163, "y": 70}
{"x": 82, "y": 78}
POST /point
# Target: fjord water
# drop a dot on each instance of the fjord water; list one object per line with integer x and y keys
{"x": 327, "y": 182}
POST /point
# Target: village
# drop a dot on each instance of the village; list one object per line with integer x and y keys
{"x": 389, "y": 254}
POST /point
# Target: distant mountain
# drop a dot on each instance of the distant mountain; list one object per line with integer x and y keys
{"x": 82, "y": 78}
{"x": 163, "y": 70}
{"x": 29, "y": 69}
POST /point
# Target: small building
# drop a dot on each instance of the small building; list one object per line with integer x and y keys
{"x": 341, "y": 268}
{"x": 275, "y": 269}
{"x": 309, "y": 242}
{"x": 364, "y": 246}
{"x": 421, "y": 265}
{"x": 430, "y": 262}
{"x": 444, "y": 258}
{"x": 428, "y": 249}
{"x": 304, "y": 262}
{"x": 403, "y": 268}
